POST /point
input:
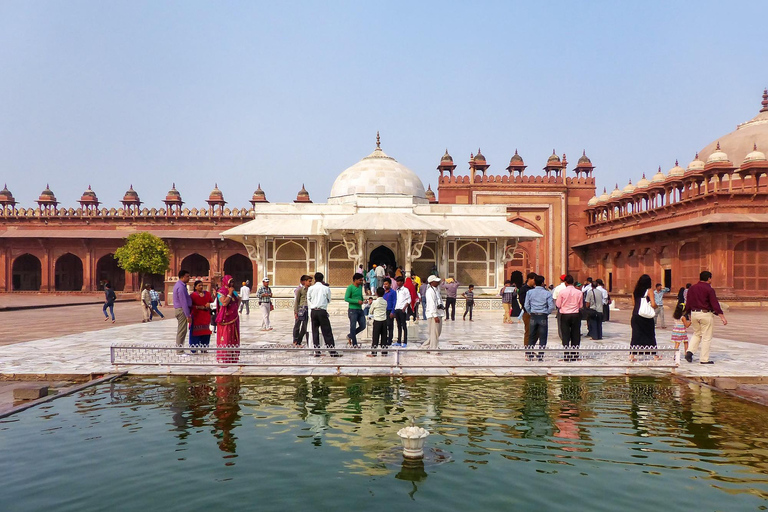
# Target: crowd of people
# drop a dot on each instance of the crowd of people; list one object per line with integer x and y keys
{"x": 390, "y": 299}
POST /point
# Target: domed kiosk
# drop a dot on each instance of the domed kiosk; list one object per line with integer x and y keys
{"x": 378, "y": 208}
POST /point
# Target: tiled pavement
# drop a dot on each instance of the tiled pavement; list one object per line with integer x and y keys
{"x": 88, "y": 352}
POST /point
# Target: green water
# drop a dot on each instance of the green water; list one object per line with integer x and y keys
{"x": 300, "y": 444}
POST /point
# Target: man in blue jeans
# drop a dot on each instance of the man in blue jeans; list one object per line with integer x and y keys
{"x": 539, "y": 304}
{"x": 354, "y": 297}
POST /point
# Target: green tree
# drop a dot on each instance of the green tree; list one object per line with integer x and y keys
{"x": 145, "y": 254}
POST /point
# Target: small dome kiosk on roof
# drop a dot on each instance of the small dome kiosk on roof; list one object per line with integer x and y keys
{"x": 643, "y": 183}
{"x": 629, "y": 188}
{"x": 216, "y": 194}
{"x": 131, "y": 196}
{"x": 516, "y": 159}
{"x": 479, "y": 156}
{"x": 755, "y": 155}
{"x": 446, "y": 157}
{"x": 592, "y": 202}
{"x": 717, "y": 156}
{"x": 553, "y": 158}
{"x": 658, "y": 177}
{"x": 173, "y": 194}
{"x": 259, "y": 196}
{"x": 616, "y": 192}
{"x": 584, "y": 159}
{"x": 430, "y": 194}
{"x": 47, "y": 195}
{"x": 89, "y": 196}
{"x": 604, "y": 197}
{"x": 6, "y": 197}
{"x": 302, "y": 196}
{"x": 695, "y": 165}
{"x": 676, "y": 171}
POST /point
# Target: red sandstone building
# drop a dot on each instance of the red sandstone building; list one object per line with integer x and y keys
{"x": 711, "y": 215}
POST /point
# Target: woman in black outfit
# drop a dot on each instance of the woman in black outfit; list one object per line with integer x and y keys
{"x": 643, "y": 329}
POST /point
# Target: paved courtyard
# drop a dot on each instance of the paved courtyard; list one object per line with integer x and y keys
{"x": 88, "y": 353}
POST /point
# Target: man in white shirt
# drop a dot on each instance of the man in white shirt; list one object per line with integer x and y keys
{"x": 401, "y": 308}
{"x": 434, "y": 310}
{"x": 318, "y": 297}
{"x": 606, "y": 300}
{"x": 245, "y": 294}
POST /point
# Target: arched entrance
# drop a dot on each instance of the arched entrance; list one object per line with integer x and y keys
{"x": 69, "y": 273}
{"x": 382, "y": 255}
{"x": 27, "y": 273}
{"x": 240, "y": 268}
{"x": 107, "y": 270}
{"x": 196, "y": 265}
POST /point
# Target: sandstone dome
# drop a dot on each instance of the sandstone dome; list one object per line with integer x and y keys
{"x": 378, "y": 174}
{"x": 740, "y": 142}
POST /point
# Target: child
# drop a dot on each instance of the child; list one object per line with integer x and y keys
{"x": 469, "y": 295}
{"x": 379, "y": 313}
{"x": 678, "y": 331}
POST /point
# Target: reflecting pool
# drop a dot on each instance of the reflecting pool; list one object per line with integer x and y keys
{"x": 228, "y": 443}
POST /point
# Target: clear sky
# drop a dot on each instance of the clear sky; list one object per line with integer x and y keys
{"x": 283, "y": 93}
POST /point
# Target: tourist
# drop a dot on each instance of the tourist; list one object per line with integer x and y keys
{"x": 528, "y": 285}
{"x": 643, "y": 329}
{"x": 318, "y": 297}
{"x": 469, "y": 302}
{"x": 228, "y": 322}
{"x": 200, "y": 332}
{"x": 366, "y": 283}
{"x": 354, "y": 298}
{"x": 154, "y": 299}
{"x": 506, "y": 294}
{"x": 146, "y": 304}
{"x": 587, "y": 286}
{"x": 401, "y": 312}
{"x": 515, "y": 311}
{"x": 214, "y": 293}
{"x": 373, "y": 281}
{"x": 568, "y": 303}
{"x": 658, "y": 296}
{"x": 300, "y": 310}
{"x": 378, "y": 312}
{"x": 411, "y": 311}
{"x": 381, "y": 273}
{"x": 423, "y": 297}
{"x": 434, "y": 309}
{"x": 679, "y": 331}
{"x": 390, "y": 296}
{"x": 450, "y": 286}
{"x": 555, "y": 293}
{"x": 109, "y": 301}
{"x": 182, "y": 308}
{"x": 245, "y": 295}
{"x": 264, "y": 294}
{"x": 538, "y": 304}
{"x": 702, "y": 304}
{"x": 606, "y": 300}
{"x": 594, "y": 301}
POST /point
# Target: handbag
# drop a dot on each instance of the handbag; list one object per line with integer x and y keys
{"x": 271, "y": 307}
{"x": 645, "y": 310}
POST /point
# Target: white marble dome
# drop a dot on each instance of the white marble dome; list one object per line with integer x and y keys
{"x": 377, "y": 175}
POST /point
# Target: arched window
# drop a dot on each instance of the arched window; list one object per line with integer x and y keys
{"x": 290, "y": 262}
{"x": 69, "y": 273}
{"x": 690, "y": 262}
{"x": 196, "y": 265}
{"x": 26, "y": 273}
{"x": 240, "y": 268}
{"x": 423, "y": 266}
{"x": 473, "y": 263}
{"x": 750, "y": 265}
{"x": 107, "y": 271}
{"x": 340, "y": 267}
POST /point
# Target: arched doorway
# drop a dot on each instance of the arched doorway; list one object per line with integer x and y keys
{"x": 26, "y": 274}
{"x": 107, "y": 270}
{"x": 196, "y": 265}
{"x": 382, "y": 255}
{"x": 240, "y": 268}
{"x": 69, "y": 273}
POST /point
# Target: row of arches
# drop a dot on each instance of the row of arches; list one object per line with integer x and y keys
{"x": 26, "y": 271}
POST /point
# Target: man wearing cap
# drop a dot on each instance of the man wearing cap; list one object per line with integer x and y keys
{"x": 264, "y": 293}
{"x": 555, "y": 294}
{"x": 245, "y": 294}
{"x": 434, "y": 311}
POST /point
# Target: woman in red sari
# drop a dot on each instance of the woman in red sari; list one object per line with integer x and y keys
{"x": 228, "y": 322}
{"x": 200, "y": 334}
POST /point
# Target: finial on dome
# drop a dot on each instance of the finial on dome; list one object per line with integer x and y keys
{"x": 696, "y": 156}
{"x": 378, "y": 141}
{"x": 173, "y": 185}
{"x": 718, "y": 145}
{"x": 644, "y": 176}
{"x": 516, "y": 152}
{"x": 659, "y": 169}
{"x": 553, "y": 152}
{"x": 676, "y": 164}
{"x": 630, "y": 181}
{"x": 754, "y": 146}
{"x": 764, "y": 103}
{"x": 583, "y": 152}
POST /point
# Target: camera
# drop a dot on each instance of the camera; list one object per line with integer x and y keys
{"x": 440, "y": 307}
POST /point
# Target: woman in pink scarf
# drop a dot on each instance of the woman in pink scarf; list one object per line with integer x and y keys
{"x": 411, "y": 288}
{"x": 228, "y": 321}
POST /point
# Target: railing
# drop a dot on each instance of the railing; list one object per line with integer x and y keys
{"x": 476, "y": 356}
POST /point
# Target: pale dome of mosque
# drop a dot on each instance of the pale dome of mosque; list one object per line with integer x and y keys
{"x": 742, "y": 140}
{"x": 755, "y": 155}
{"x": 378, "y": 174}
{"x": 629, "y": 188}
{"x": 616, "y": 192}
{"x": 676, "y": 171}
{"x": 718, "y": 155}
{"x": 603, "y": 197}
{"x": 658, "y": 177}
{"x": 643, "y": 183}
{"x": 696, "y": 165}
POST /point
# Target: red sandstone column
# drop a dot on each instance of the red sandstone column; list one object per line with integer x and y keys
{"x": 46, "y": 272}
{"x": 5, "y": 275}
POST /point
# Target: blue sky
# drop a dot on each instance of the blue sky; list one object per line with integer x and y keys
{"x": 284, "y": 93}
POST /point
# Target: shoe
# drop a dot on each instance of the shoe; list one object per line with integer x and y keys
{"x": 706, "y": 362}
{"x": 396, "y": 345}
{"x": 107, "y": 318}
{"x": 113, "y": 321}
{"x": 689, "y": 356}
{"x": 404, "y": 345}
{"x": 318, "y": 354}
{"x": 370, "y": 355}
{"x": 337, "y": 355}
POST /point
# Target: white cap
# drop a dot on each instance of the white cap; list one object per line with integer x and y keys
{"x": 433, "y": 279}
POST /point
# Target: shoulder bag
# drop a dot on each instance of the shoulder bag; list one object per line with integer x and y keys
{"x": 645, "y": 310}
